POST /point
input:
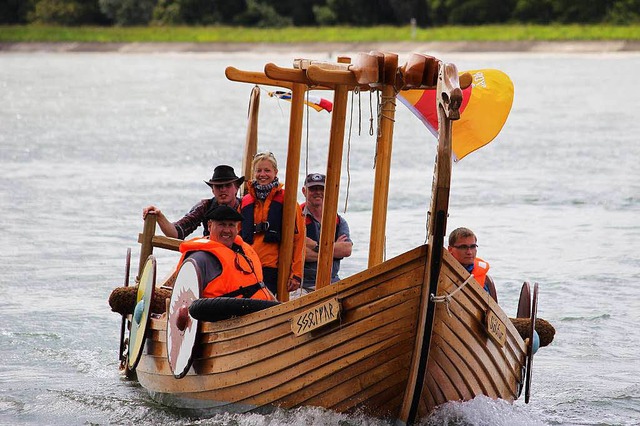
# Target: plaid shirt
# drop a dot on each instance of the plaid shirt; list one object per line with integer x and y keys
{"x": 195, "y": 218}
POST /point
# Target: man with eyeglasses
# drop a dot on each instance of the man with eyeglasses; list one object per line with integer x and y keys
{"x": 229, "y": 267}
{"x": 463, "y": 245}
{"x": 224, "y": 184}
{"x": 313, "y": 191}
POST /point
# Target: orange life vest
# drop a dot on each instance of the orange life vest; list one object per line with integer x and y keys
{"x": 480, "y": 269}
{"x": 238, "y": 271}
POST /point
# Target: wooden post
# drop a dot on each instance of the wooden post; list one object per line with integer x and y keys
{"x": 251, "y": 142}
{"x": 332, "y": 186}
{"x": 383, "y": 164}
{"x": 146, "y": 247}
{"x": 285, "y": 255}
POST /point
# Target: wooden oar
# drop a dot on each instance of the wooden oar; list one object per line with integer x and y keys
{"x": 255, "y": 77}
{"x": 251, "y": 141}
{"x": 285, "y": 255}
{"x": 299, "y": 84}
{"x": 530, "y": 351}
{"x": 146, "y": 242}
{"x": 122, "y": 357}
{"x": 342, "y": 81}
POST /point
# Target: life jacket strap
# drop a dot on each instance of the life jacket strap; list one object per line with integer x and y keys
{"x": 246, "y": 292}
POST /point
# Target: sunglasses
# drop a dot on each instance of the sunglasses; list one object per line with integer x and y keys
{"x": 265, "y": 154}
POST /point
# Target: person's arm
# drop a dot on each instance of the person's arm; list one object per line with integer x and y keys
{"x": 492, "y": 288}
{"x": 343, "y": 245}
{"x": 192, "y": 220}
{"x": 295, "y": 277}
{"x": 310, "y": 253}
{"x": 166, "y": 226}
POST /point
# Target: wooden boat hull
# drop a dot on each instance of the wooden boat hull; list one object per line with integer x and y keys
{"x": 361, "y": 362}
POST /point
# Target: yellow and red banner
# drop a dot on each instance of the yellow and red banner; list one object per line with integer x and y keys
{"x": 485, "y": 107}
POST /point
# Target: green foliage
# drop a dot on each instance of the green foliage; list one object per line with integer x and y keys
{"x": 261, "y": 15}
{"x": 324, "y": 15}
{"x": 580, "y": 11}
{"x": 65, "y": 12}
{"x": 309, "y": 13}
{"x": 538, "y": 11}
{"x": 128, "y": 12}
{"x": 471, "y": 12}
{"x": 15, "y": 11}
{"x": 43, "y": 33}
{"x": 624, "y": 12}
{"x": 362, "y": 12}
{"x": 167, "y": 12}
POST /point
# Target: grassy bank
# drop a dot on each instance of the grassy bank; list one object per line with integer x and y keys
{"x": 324, "y": 34}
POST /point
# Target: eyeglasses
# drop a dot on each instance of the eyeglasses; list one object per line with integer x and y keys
{"x": 465, "y": 247}
{"x": 223, "y": 185}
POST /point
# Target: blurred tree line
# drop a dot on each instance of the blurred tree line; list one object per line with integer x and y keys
{"x": 279, "y": 13}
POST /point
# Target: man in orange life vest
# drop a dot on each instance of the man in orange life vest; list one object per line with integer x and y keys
{"x": 313, "y": 191}
{"x": 229, "y": 267}
{"x": 463, "y": 246}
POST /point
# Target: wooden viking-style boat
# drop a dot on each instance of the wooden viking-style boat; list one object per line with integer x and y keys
{"x": 394, "y": 341}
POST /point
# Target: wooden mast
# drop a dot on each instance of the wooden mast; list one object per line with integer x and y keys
{"x": 299, "y": 84}
{"x": 448, "y": 98}
{"x": 296, "y": 81}
{"x": 251, "y": 142}
{"x": 383, "y": 160}
{"x": 364, "y": 71}
{"x": 285, "y": 257}
{"x": 332, "y": 186}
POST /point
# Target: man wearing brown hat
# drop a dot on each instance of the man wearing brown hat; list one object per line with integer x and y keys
{"x": 224, "y": 184}
{"x": 229, "y": 267}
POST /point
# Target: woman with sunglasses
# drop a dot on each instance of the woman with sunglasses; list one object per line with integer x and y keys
{"x": 262, "y": 209}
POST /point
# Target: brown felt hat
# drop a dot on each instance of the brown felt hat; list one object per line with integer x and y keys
{"x": 224, "y": 174}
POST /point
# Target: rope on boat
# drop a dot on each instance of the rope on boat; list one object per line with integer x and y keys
{"x": 448, "y": 297}
{"x": 346, "y": 199}
{"x": 383, "y": 108}
{"x": 371, "y": 117}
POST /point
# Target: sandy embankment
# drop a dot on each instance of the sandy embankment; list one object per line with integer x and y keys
{"x": 463, "y": 46}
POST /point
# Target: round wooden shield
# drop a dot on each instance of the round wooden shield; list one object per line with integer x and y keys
{"x": 140, "y": 317}
{"x": 182, "y": 328}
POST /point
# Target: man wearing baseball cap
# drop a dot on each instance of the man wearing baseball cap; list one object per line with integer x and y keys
{"x": 313, "y": 191}
{"x": 224, "y": 184}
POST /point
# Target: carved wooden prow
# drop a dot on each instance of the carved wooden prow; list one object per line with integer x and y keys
{"x": 448, "y": 100}
{"x": 449, "y": 91}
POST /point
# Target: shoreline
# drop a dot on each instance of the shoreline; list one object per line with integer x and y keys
{"x": 450, "y": 46}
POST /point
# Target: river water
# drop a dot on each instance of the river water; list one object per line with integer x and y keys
{"x": 87, "y": 140}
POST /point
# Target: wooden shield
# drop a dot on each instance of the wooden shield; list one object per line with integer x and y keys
{"x": 182, "y": 328}
{"x": 140, "y": 317}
